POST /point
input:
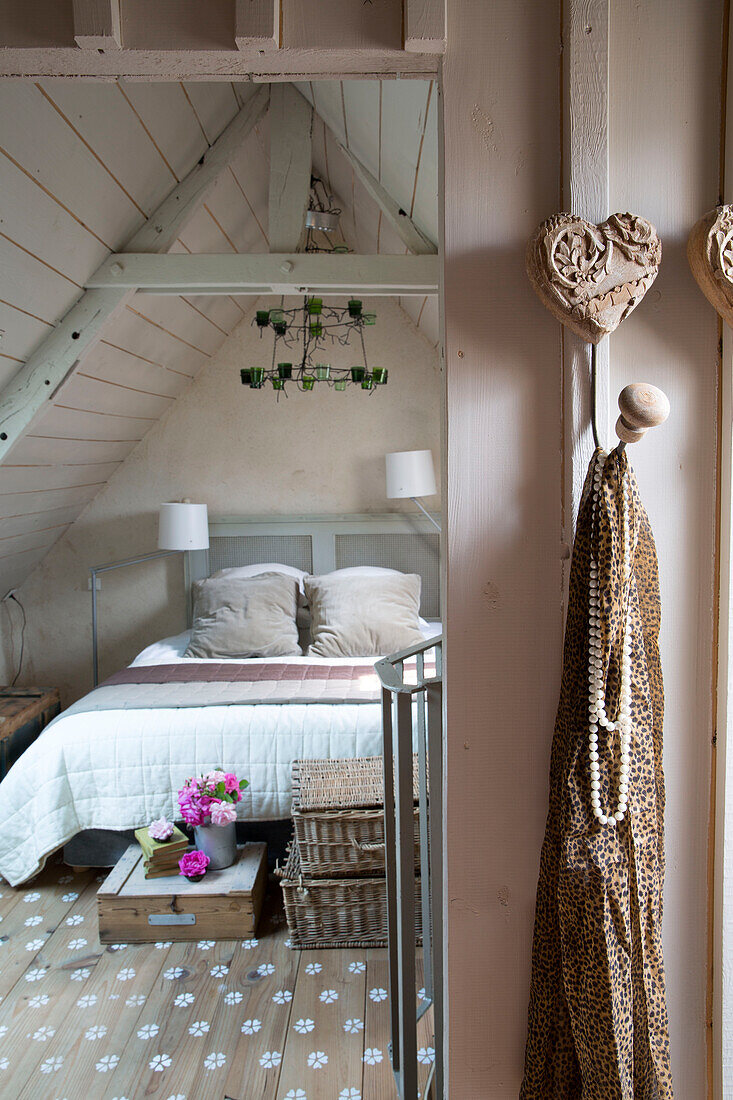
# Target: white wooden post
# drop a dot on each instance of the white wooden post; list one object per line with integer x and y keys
{"x": 291, "y": 117}
{"x": 97, "y": 24}
{"x": 585, "y": 192}
{"x": 257, "y": 23}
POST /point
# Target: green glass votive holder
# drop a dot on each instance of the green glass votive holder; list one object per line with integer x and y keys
{"x": 280, "y": 328}
{"x": 357, "y": 374}
{"x": 340, "y": 385}
{"x": 354, "y": 307}
{"x": 285, "y": 370}
{"x": 316, "y": 328}
{"x": 258, "y": 377}
{"x": 323, "y": 371}
{"x": 246, "y": 375}
{"x": 366, "y": 382}
{"x": 308, "y": 381}
{"x": 340, "y": 248}
{"x": 278, "y": 383}
{"x": 276, "y": 315}
{"x": 379, "y": 374}
{"x": 315, "y": 306}
{"x": 263, "y": 318}
{"x": 369, "y": 318}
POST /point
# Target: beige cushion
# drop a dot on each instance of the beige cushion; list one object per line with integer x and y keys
{"x": 363, "y": 616}
{"x": 245, "y": 617}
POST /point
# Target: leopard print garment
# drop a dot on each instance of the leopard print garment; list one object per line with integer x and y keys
{"x": 597, "y": 1025}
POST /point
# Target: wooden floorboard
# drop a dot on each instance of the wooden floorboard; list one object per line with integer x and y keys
{"x": 231, "y": 1020}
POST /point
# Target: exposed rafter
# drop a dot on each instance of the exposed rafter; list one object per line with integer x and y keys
{"x": 263, "y": 273}
{"x": 291, "y": 117}
{"x": 58, "y": 355}
{"x": 97, "y": 24}
{"x": 415, "y": 240}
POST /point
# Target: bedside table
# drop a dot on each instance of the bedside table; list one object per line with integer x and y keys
{"x": 24, "y": 712}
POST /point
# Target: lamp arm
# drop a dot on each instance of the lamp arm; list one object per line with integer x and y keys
{"x": 94, "y": 570}
{"x": 425, "y": 512}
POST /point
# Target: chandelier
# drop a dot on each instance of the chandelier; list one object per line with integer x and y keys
{"x": 311, "y": 330}
{"x": 322, "y": 216}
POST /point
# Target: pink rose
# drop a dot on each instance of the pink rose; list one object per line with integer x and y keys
{"x": 161, "y": 829}
{"x": 193, "y": 864}
{"x": 231, "y": 783}
{"x": 223, "y": 813}
{"x": 215, "y": 777}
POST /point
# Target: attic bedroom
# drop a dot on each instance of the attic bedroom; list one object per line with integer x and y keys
{"x": 366, "y": 550}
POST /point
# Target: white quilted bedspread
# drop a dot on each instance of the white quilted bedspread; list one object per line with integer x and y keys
{"x": 120, "y": 769}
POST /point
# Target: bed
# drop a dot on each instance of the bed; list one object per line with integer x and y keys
{"x": 116, "y": 758}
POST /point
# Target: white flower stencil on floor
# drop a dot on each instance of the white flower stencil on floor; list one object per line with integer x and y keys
{"x": 377, "y": 995}
{"x": 173, "y": 972}
{"x": 34, "y": 945}
{"x": 317, "y": 1059}
{"x": 87, "y": 1001}
{"x": 39, "y": 1000}
{"x": 31, "y": 922}
{"x": 215, "y": 1060}
{"x": 71, "y": 896}
{"x": 282, "y": 996}
{"x": 3, "y": 1030}
{"x": 295, "y": 1094}
{"x": 116, "y": 946}
{"x": 52, "y": 1065}
{"x": 249, "y": 1027}
{"x": 44, "y": 1034}
{"x": 163, "y": 945}
{"x": 107, "y": 1063}
{"x": 160, "y": 1062}
{"x": 135, "y": 1000}
{"x": 183, "y": 999}
{"x": 32, "y": 896}
{"x": 148, "y": 1031}
{"x": 234, "y": 997}
{"x": 303, "y": 1026}
{"x": 426, "y": 1056}
{"x": 357, "y": 967}
{"x": 313, "y": 968}
{"x": 249, "y": 945}
{"x": 372, "y": 1055}
{"x": 73, "y": 920}
{"x": 199, "y": 1027}
{"x": 4, "y": 1063}
{"x": 266, "y": 968}
{"x": 126, "y": 974}
{"x": 81, "y": 974}
{"x": 219, "y": 971}
{"x": 328, "y": 996}
{"x": 76, "y": 945}
{"x": 36, "y": 974}
{"x": 351, "y": 1027}
{"x": 270, "y": 1059}
{"x": 205, "y": 945}
{"x": 349, "y": 1094}
{"x": 98, "y": 1031}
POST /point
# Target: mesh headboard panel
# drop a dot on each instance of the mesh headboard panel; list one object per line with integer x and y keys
{"x": 408, "y": 553}
{"x": 230, "y": 550}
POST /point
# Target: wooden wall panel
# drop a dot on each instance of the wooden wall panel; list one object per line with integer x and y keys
{"x": 214, "y": 105}
{"x": 167, "y": 115}
{"x": 342, "y": 24}
{"x": 34, "y": 450}
{"x": 502, "y": 528}
{"x": 86, "y": 393}
{"x": 664, "y": 164}
{"x": 21, "y": 331}
{"x": 62, "y": 422}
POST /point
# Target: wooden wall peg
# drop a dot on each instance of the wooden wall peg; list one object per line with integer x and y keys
{"x": 710, "y": 255}
{"x": 642, "y": 406}
{"x": 592, "y": 276}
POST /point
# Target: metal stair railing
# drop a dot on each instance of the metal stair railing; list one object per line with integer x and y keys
{"x": 412, "y": 712}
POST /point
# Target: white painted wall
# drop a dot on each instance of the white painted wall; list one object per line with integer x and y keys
{"x": 241, "y": 453}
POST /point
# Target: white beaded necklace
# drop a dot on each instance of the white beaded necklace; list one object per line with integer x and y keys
{"x": 596, "y": 697}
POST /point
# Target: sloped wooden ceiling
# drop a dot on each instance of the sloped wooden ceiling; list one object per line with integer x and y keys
{"x": 81, "y": 168}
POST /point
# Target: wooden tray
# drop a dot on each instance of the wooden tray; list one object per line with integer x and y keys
{"x": 224, "y": 905}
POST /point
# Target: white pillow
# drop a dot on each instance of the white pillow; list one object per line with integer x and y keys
{"x": 238, "y": 571}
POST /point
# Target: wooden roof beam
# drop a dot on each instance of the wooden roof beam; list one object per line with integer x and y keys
{"x": 97, "y": 24}
{"x": 58, "y": 355}
{"x": 267, "y": 273}
{"x": 291, "y": 158}
{"x": 416, "y": 241}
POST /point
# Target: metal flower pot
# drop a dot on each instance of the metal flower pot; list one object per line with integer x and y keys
{"x": 218, "y": 842}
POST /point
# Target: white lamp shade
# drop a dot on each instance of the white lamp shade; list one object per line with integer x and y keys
{"x": 183, "y": 527}
{"x": 411, "y": 474}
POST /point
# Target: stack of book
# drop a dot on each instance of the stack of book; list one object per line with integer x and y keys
{"x": 161, "y": 856}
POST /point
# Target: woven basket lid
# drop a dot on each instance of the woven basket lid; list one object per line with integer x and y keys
{"x": 341, "y": 784}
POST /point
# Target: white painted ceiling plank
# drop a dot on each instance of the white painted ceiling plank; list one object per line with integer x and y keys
{"x": 34, "y": 287}
{"x": 21, "y": 504}
{"x": 236, "y": 219}
{"x": 97, "y": 24}
{"x": 137, "y": 336}
{"x": 90, "y": 394}
{"x": 109, "y": 363}
{"x": 291, "y": 119}
{"x": 328, "y": 106}
{"x": 38, "y": 138}
{"x": 41, "y": 521}
{"x": 69, "y": 423}
{"x": 215, "y": 105}
{"x": 403, "y": 125}
{"x": 31, "y": 479}
{"x": 179, "y": 320}
{"x": 220, "y": 310}
{"x": 37, "y": 538}
{"x": 21, "y": 333}
{"x": 164, "y": 111}
{"x": 38, "y": 451}
{"x": 425, "y": 209}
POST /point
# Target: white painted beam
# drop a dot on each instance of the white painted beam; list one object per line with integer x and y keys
{"x": 257, "y": 24}
{"x": 585, "y": 192}
{"x": 268, "y": 273}
{"x": 415, "y": 240}
{"x": 291, "y": 119}
{"x": 424, "y": 26}
{"x": 56, "y": 358}
{"x": 97, "y": 24}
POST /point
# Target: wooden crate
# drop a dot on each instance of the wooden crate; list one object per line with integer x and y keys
{"x": 338, "y": 912}
{"x": 338, "y": 816}
{"x": 224, "y": 905}
{"x": 24, "y": 712}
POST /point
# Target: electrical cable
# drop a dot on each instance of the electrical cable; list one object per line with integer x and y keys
{"x": 22, "y": 638}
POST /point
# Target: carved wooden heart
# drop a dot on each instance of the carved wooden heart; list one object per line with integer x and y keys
{"x": 592, "y": 276}
{"x": 710, "y": 254}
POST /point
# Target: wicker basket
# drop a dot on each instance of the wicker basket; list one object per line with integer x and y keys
{"x": 338, "y": 817}
{"x": 336, "y": 912}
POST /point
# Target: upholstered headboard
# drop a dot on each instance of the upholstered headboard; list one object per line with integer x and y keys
{"x": 319, "y": 544}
